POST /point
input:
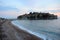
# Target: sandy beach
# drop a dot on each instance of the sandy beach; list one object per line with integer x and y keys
{"x": 12, "y": 32}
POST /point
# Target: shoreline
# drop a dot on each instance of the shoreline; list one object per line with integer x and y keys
{"x": 15, "y": 33}
{"x": 29, "y": 31}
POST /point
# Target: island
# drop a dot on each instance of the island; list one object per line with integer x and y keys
{"x": 37, "y": 16}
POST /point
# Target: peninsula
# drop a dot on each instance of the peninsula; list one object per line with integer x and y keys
{"x": 37, "y": 16}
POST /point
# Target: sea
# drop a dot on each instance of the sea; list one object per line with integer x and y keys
{"x": 46, "y": 29}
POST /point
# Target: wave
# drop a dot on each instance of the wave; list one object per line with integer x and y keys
{"x": 54, "y": 33}
{"x": 38, "y": 34}
{"x": 34, "y": 33}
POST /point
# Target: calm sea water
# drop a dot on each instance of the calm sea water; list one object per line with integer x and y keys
{"x": 46, "y": 29}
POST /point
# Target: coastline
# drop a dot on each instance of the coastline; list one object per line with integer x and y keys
{"x": 15, "y": 33}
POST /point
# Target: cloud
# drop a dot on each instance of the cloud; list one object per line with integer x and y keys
{"x": 11, "y": 3}
{"x": 11, "y": 14}
{"x": 30, "y": 3}
{"x": 54, "y": 11}
{"x": 8, "y": 14}
{"x": 58, "y": 13}
{"x": 2, "y": 8}
{"x": 14, "y": 8}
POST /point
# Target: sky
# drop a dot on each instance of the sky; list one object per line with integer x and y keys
{"x": 14, "y": 8}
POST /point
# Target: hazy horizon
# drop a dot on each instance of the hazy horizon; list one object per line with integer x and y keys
{"x": 13, "y": 8}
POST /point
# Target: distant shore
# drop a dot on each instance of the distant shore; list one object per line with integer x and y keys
{"x": 12, "y": 32}
{"x": 37, "y": 16}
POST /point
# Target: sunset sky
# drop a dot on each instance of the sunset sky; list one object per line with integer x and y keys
{"x": 13, "y": 8}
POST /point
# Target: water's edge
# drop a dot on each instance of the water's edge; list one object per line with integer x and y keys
{"x": 46, "y": 29}
{"x": 34, "y": 33}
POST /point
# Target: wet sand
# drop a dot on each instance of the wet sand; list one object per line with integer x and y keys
{"x": 12, "y": 32}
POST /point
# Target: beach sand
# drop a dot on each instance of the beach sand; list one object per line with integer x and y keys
{"x": 12, "y": 32}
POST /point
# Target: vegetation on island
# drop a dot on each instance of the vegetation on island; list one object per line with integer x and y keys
{"x": 37, "y": 16}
